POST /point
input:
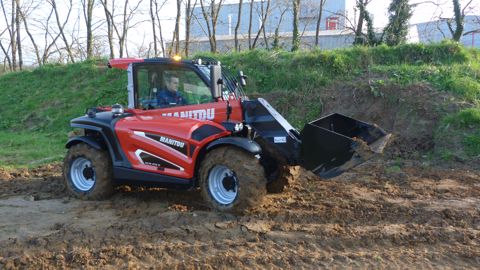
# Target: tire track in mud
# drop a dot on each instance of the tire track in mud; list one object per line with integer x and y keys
{"x": 419, "y": 217}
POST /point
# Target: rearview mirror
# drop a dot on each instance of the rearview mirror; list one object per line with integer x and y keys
{"x": 216, "y": 82}
{"x": 243, "y": 78}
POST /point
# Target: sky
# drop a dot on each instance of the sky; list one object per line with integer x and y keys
{"x": 141, "y": 34}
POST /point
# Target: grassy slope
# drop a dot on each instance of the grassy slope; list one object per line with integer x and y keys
{"x": 447, "y": 67}
{"x": 36, "y": 106}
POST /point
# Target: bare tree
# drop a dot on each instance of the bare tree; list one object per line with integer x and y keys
{"x": 19, "y": 39}
{"x": 10, "y": 27}
{"x": 211, "y": 18}
{"x": 319, "y": 19}
{"x": 459, "y": 16}
{"x": 61, "y": 27}
{"x": 264, "y": 15}
{"x": 87, "y": 14}
{"x": 157, "y": 9}
{"x": 23, "y": 16}
{"x": 154, "y": 27}
{"x": 48, "y": 44}
{"x": 108, "y": 19}
{"x": 276, "y": 36}
{"x": 250, "y": 24}
{"x": 363, "y": 15}
{"x": 6, "y": 53}
{"x": 189, "y": 9}
{"x": 295, "y": 34}
{"x": 121, "y": 28}
{"x": 176, "y": 33}
{"x": 239, "y": 18}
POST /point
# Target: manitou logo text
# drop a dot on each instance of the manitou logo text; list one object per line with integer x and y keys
{"x": 208, "y": 114}
{"x": 171, "y": 142}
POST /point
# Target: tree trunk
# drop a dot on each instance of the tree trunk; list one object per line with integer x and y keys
{"x": 154, "y": 31}
{"x": 240, "y": 4}
{"x": 459, "y": 20}
{"x": 121, "y": 37}
{"x": 5, "y": 52}
{"x": 61, "y": 27}
{"x": 19, "y": 40}
{"x": 358, "y": 32}
{"x": 35, "y": 46}
{"x": 276, "y": 38}
{"x": 319, "y": 20}
{"x": 188, "y": 23}
{"x": 109, "y": 28}
{"x": 296, "y": 36}
{"x": 263, "y": 20}
{"x": 88, "y": 20}
{"x": 160, "y": 32}
{"x": 212, "y": 23}
{"x": 250, "y": 25}
{"x": 176, "y": 33}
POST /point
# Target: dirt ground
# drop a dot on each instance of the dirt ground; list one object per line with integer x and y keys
{"x": 380, "y": 215}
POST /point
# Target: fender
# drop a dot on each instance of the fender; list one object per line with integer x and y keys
{"x": 104, "y": 123}
{"x": 85, "y": 139}
{"x": 243, "y": 143}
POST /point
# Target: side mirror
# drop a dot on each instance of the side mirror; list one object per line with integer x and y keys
{"x": 243, "y": 78}
{"x": 216, "y": 82}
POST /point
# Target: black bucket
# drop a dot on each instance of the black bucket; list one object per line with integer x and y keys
{"x": 335, "y": 143}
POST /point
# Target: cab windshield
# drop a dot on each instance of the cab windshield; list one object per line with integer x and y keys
{"x": 163, "y": 86}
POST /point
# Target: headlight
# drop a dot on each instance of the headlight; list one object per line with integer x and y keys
{"x": 117, "y": 109}
{"x": 238, "y": 127}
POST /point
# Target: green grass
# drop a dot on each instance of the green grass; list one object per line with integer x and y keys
{"x": 37, "y": 105}
{"x": 46, "y": 98}
{"x": 467, "y": 118}
{"x": 30, "y": 149}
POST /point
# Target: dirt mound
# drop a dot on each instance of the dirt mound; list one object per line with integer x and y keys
{"x": 411, "y": 113}
{"x": 44, "y": 182}
{"x": 371, "y": 217}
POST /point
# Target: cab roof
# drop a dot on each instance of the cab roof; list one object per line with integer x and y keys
{"x": 123, "y": 63}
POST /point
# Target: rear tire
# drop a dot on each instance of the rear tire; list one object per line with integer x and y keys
{"x": 232, "y": 180}
{"x": 276, "y": 168}
{"x": 88, "y": 173}
{"x": 281, "y": 181}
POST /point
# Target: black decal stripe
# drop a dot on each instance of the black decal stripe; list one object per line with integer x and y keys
{"x": 151, "y": 160}
{"x": 182, "y": 150}
{"x": 205, "y": 131}
{"x": 156, "y": 138}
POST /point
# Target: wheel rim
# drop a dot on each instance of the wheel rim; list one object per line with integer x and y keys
{"x": 82, "y": 174}
{"x": 223, "y": 184}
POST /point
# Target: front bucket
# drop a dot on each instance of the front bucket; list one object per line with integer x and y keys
{"x": 335, "y": 143}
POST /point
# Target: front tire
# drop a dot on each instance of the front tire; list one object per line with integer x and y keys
{"x": 232, "y": 180}
{"x": 88, "y": 172}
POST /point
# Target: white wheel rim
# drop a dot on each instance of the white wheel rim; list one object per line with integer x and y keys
{"x": 82, "y": 174}
{"x": 223, "y": 184}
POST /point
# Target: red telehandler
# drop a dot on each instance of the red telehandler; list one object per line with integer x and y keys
{"x": 189, "y": 125}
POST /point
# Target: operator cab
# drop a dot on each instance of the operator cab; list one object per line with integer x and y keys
{"x": 159, "y": 83}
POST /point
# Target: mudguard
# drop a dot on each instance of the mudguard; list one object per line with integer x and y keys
{"x": 104, "y": 123}
{"x": 85, "y": 139}
{"x": 243, "y": 143}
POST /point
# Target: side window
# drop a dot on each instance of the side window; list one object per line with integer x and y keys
{"x": 163, "y": 86}
{"x": 194, "y": 89}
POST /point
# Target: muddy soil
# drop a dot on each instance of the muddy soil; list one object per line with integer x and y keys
{"x": 380, "y": 215}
